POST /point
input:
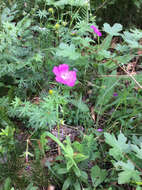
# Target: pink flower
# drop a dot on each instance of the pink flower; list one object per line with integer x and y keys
{"x": 96, "y": 30}
{"x": 115, "y": 94}
{"x": 64, "y": 76}
{"x": 100, "y": 130}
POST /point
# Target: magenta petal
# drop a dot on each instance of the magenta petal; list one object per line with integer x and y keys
{"x": 63, "y": 67}
{"x": 72, "y": 78}
{"x": 55, "y": 70}
{"x": 59, "y": 79}
{"x": 96, "y": 30}
{"x": 93, "y": 27}
{"x": 100, "y": 130}
{"x": 64, "y": 76}
{"x": 115, "y": 94}
{"x": 99, "y": 33}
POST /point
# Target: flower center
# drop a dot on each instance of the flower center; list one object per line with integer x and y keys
{"x": 65, "y": 75}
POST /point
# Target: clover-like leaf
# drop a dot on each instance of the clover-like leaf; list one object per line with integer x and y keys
{"x": 132, "y": 39}
{"x": 114, "y": 30}
{"x": 98, "y": 175}
{"x": 119, "y": 145}
{"x": 137, "y": 150}
{"x": 128, "y": 173}
{"x": 67, "y": 51}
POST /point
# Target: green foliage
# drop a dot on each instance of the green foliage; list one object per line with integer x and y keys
{"x": 105, "y": 103}
{"x": 88, "y": 147}
{"x": 128, "y": 172}
{"x": 76, "y": 158}
{"x": 97, "y": 175}
{"x": 46, "y": 109}
{"x": 126, "y": 12}
{"x": 119, "y": 146}
{"x": 124, "y": 164}
{"x": 67, "y": 51}
{"x": 31, "y": 187}
{"x": 71, "y": 158}
{"x": 7, "y": 142}
{"x": 114, "y": 30}
{"x": 7, "y": 186}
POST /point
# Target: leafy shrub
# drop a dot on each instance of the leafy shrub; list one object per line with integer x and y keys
{"x": 105, "y": 100}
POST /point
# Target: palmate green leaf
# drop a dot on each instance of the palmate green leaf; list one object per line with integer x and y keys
{"x": 106, "y": 54}
{"x": 137, "y": 150}
{"x": 50, "y": 2}
{"x": 97, "y": 175}
{"x": 122, "y": 48}
{"x": 61, "y": 3}
{"x": 84, "y": 41}
{"x": 129, "y": 173}
{"x": 124, "y": 58}
{"x": 114, "y": 30}
{"x": 78, "y": 146}
{"x": 68, "y": 51}
{"x": 137, "y": 34}
{"x": 137, "y": 140}
{"x": 125, "y": 176}
{"x": 119, "y": 145}
{"x": 132, "y": 38}
{"x": 80, "y": 105}
{"x": 70, "y": 2}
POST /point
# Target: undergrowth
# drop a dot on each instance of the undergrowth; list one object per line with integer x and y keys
{"x": 70, "y": 95}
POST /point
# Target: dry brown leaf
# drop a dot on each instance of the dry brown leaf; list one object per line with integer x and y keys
{"x": 139, "y": 52}
{"x": 36, "y": 100}
{"x": 51, "y": 158}
{"x": 131, "y": 67}
{"x": 93, "y": 114}
{"x": 59, "y": 150}
{"x": 39, "y": 145}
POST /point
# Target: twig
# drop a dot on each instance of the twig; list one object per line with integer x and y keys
{"x": 101, "y": 6}
{"x": 130, "y": 75}
{"x": 113, "y": 75}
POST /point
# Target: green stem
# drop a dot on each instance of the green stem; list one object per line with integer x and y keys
{"x": 58, "y": 123}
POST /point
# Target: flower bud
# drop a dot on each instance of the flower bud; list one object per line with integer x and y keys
{"x": 50, "y": 92}
{"x": 57, "y": 26}
{"x": 50, "y": 10}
